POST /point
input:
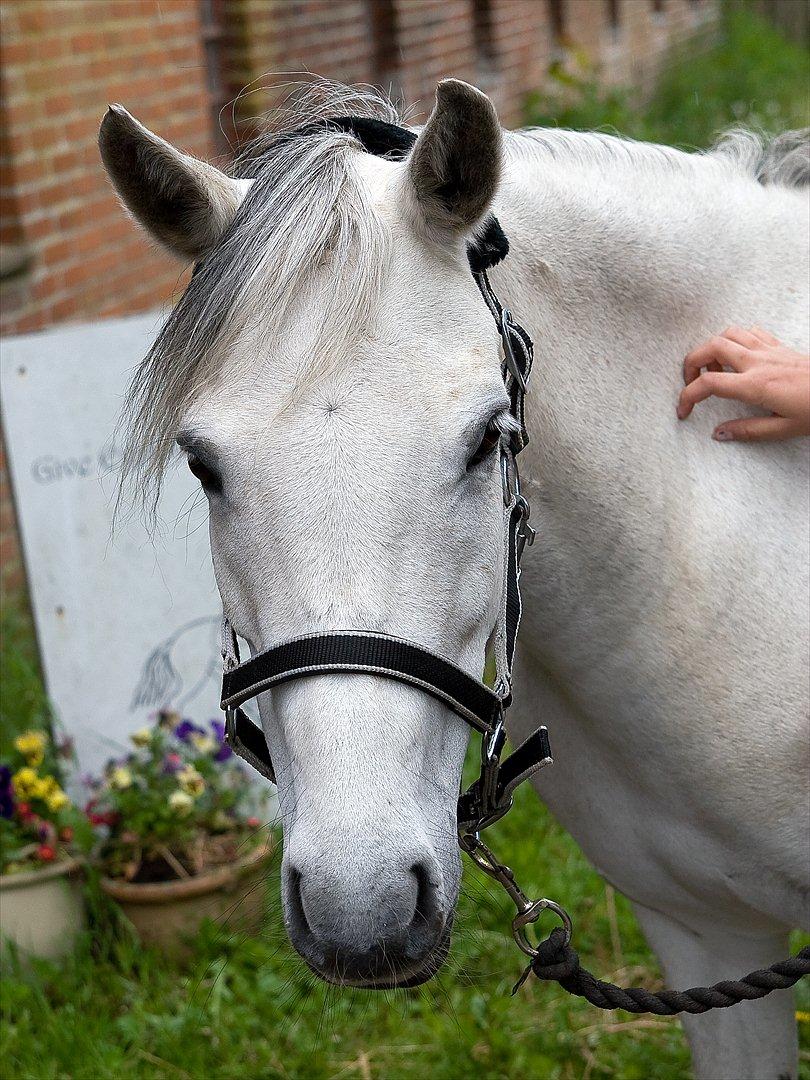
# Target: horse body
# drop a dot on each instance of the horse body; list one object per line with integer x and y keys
{"x": 344, "y": 369}
{"x": 665, "y": 630}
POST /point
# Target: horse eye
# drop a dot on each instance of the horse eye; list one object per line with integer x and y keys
{"x": 207, "y": 477}
{"x": 491, "y": 439}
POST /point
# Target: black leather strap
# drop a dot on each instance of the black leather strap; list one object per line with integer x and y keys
{"x": 477, "y": 810}
{"x": 364, "y": 653}
{"x": 248, "y": 741}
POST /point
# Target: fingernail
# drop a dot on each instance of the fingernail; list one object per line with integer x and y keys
{"x": 680, "y": 412}
{"x": 722, "y": 435}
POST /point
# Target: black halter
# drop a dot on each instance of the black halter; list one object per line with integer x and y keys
{"x": 362, "y": 651}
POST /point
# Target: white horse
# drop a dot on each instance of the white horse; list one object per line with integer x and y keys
{"x": 331, "y": 373}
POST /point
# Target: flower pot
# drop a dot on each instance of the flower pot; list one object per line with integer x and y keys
{"x": 42, "y": 912}
{"x": 169, "y": 913}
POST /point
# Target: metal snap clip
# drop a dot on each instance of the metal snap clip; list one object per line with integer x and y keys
{"x": 531, "y": 914}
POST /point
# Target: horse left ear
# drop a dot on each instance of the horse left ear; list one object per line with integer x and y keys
{"x": 184, "y": 203}
{"x": 455, "y": 165}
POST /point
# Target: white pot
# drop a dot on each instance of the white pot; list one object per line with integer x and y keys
{"x": 42, "y": 912}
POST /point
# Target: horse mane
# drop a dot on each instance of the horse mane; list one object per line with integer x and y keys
{"x": 306, "y": 209}
{"x": 782, "y": 160}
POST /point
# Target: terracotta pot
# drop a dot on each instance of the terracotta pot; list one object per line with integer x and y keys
{"x": 169, "y": 913}
{"x": 42, "y": 912}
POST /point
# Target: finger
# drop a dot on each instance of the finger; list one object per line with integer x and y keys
{"x": 763, "y": 335}
{"x": 724, "y": 384}
{"x": 757, "y": 429}
{"x": 746, "y": 338}
{"x": 715, "y": 351}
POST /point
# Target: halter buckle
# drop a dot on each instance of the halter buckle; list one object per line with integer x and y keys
{"x": 512, "y": 366}
{"x": 526, "y": 534}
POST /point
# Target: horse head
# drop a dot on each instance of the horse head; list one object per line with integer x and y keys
{"x": 334, "y": 380}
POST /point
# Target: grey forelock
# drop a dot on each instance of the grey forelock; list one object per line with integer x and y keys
{"x": 307, "y": 209}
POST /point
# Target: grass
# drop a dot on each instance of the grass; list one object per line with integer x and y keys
{"x": 23, "y": 702}
{"x": 246, "y": 1007}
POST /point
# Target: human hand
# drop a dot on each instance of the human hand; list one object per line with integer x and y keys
{"x": 763, "y": 372}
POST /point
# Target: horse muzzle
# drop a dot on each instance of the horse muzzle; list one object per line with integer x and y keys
{"x": 374, "y": 924}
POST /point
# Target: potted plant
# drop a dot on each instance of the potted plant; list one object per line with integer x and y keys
{"x": 41, "y": 902}
{"x": 179, "y": 823}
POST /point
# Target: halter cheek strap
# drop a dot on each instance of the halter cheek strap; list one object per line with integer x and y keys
{"x": 358, "y": 651}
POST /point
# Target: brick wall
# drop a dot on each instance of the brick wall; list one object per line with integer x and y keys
{"x": 426, "y": 40}
{"x": 75, "y": 255}
{"x": 67, "y": 251}
{"x": 62, "y": 62}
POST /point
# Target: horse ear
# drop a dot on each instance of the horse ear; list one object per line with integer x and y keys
{"x": 184, "y": 203}
{"x": 455, "y": 165}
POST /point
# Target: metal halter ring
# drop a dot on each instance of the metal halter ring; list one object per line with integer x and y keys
{"x": 530, "y": 915}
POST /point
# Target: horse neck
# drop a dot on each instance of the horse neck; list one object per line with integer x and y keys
{"x": 617, "y": 271}
{"x": 620, "y": 263}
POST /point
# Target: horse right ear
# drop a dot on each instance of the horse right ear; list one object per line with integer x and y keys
{"x": 184, "y": 203}
{"x": 455, "y": 165}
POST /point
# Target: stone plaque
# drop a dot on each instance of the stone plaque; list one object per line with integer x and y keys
{"x": 127, "y": 621}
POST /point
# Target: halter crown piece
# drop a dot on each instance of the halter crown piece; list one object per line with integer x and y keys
{"x": 367, "y": 652}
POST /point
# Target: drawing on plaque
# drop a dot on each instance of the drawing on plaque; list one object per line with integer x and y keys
{"x": 193, "y": 646}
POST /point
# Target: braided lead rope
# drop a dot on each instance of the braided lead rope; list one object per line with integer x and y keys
{"x": 558, "y": 962}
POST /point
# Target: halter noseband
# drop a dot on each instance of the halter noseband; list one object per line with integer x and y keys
{"x": 368, "y": 652}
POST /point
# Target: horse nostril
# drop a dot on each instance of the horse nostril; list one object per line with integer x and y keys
{"x": 296, "y": 916}
{"x": 427, "y": 916}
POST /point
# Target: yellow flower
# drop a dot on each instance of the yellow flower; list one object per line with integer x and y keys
{"x": 142, "y": 737}
{"x": 120, "y": 777}
{"x": 181, "y": 802}
{"x": 202, "y": 743}
{"x": 41, "y": 789}
{"x": 31, "y": 745}
{"x": 25, "y": 781}
{"x": 191, "y": 781}
{"x": 57, "y": 800}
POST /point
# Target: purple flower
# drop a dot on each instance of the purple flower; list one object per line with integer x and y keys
{"x": 185, "y": 729}
{"x": 6, "y": 793}
{"x": 223, "y": 753}
{"x": 172, "y": 763}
